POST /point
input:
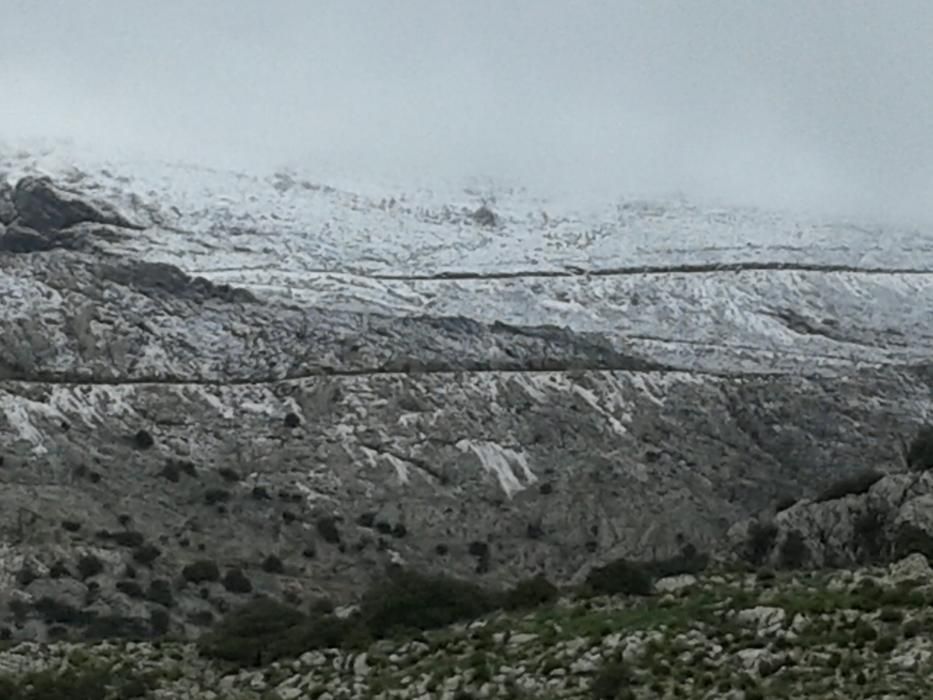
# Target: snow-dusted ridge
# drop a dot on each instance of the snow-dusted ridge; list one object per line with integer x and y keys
{"x": 708, "y": 288}
{"x": 394, "y": 379}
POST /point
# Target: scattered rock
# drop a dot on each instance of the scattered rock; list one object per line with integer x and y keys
{"x": 914, "y": 567}
{"x": 673, "y": 584}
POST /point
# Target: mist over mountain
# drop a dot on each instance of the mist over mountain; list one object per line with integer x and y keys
{"x": 792, "y": 105}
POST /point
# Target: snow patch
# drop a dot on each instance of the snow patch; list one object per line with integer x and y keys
{"x": 401, "y": 467}
{"x": 501, "y": 462}
{"x": 20, "y": 419}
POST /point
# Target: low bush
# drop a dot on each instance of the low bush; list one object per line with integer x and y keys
{"x": 531, "y": 593}
{"x": 793, "y": 553}
{"x": 89, "y": 565}
{"x": 761, "y": 539}
{"x": 619, "y": 577}
{"x": 131, "y": 589}
{"x": 909, "y": 539}
{"x": 201, "y": 571}
{"x": 116, "y": 627}
{"x": 273, "y": 565}
{"x": 328, "y": 530}
{"x": 92, "y": 681}
{"x": 52, "y": 610}
{"x": 146, "y": 554}
{"x": 688, "y": 561}
{"x": 920, "y": 452}
{"x": 869, "y": 541}
{"x": 143, "y": 439}
{"x": 264, "y": 631}
{"x": 245, "y": 635}
{"x": 235, "y": 581}
{"x": 160, "y": 592}
{"x": 413, "y": 601}
{"x": 614, "y": 681}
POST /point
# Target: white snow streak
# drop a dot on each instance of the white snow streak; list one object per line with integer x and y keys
{"x": 501, "y": 462}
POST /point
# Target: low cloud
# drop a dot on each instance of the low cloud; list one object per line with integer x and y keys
{"x": 789, "y": 104}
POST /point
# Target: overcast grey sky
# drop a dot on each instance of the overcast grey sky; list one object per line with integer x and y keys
{"x": 792, "y": 103}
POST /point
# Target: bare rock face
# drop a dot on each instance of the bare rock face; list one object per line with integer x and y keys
{"x": 43, "y": 206}
{"x": 21, "y": 239}
{"x": 172, "y": 444}
{"x": 890, "y": 520}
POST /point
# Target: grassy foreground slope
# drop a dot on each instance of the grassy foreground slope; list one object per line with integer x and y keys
{"x": 862, "y": 633}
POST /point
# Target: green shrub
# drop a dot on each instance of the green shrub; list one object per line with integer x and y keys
{"x": 614, "y": 681}
{"x": 159, "y": 622}
{"x": 228, "y": 474}
{"x": 128, "y": 538}
{"x": 793, "y": 553}
{"x": 531, "y": 593}
{"x": 619, "y": 577}
{"x": 146, "y": 554}
{"x": 246, "y": 635}
{"x": 868, "y": 534}
{"x": 864, "y": 633}
{"x": 890, "y": 615}
{"x": 51, "y": 610}
{"x": 885, "y": 644}
{"x": 201, "y": 571}
{"x": 131, "y": 589}
{"x": 328, "y": 530}
{"x": 116, "y": 627}
{"x": 89, "y": 566}
{"x": 920, "y": 453}
{"x": 413, "y": 601}
{"x": 264, "y": 631}
{"x": 688, "y": 561}
{"x": 909, "y": 539}
{"x": 273, "y": 565}
{"x": 235, "y": 581}
{"x": 214, "y": 496}
{"x": 93, "y": 681}
{"x": 850, "y": 485}
{"x": 759, "y": 543}
{"x": 484, "y": 216}
{"x": 160, "y": 592}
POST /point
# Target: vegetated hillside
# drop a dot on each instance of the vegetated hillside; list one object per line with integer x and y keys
{"x": 810, "y": 634}
{"x": 173, "y": 445}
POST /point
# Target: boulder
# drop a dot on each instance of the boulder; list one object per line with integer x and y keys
{"x": 44, "y": 206}
{"x": 914, "y": 567}
{"x": 20, "y": 239}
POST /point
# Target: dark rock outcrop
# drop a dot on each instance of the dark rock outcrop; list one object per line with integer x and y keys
{"x": 21, "y": 239}
{"x": 7, "y": 208}
{"x": 45, "y": 207}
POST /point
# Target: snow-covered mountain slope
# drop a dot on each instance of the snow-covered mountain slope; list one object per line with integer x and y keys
{"x": 307, "y": 382}
{"x": 713, "y": 289}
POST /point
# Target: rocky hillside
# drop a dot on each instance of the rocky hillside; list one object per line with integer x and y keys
{"x": 213, "y": 385}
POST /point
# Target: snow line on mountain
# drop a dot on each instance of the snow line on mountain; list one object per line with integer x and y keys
{"x": 700, "y": 268}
